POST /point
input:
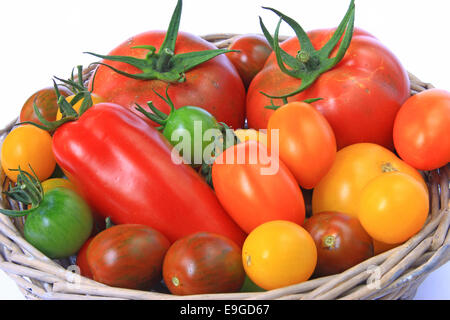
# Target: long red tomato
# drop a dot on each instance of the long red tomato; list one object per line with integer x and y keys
{"x": 126, "y": 171}
{"x": 213, "y": 85}
{"x": 255, "y": 188}
{"x": 361, "y": 94}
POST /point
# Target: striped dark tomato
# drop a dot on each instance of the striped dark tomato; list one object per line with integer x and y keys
{"x": 203, "y": 263}
{"x": 128, "y": 256}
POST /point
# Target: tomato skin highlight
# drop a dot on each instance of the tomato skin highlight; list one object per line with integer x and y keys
{"x": 361, "y": 95}
{"x": 421, "y": 128}
{"x": 215, "y": 85}
{"x": 393, "y": 207}
{"x": 203, "y": 263}
{"x": 306, "y": 141}
{"x": 127, "y": 256}
{"x": 341, "y": 242}
{"x": 129, "y": 174}
{"x": 252, "y": 197}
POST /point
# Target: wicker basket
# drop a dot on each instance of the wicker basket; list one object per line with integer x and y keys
{"x": 394, "y": 274}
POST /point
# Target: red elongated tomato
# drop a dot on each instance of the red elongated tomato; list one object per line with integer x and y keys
{"x": 127, "y": 171}
{"x": 307, "y": 144}
{"x": 255, "y": 188}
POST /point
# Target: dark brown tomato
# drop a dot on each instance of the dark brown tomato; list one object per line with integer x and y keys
{"x": 254, "y": 50}
{"x": 203, "y": 263}
{"x": 46, "y": 102}
{"x": 341, "y": 242}
{"x": 128, "y": 256}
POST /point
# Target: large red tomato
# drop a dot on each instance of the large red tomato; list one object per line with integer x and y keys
{"x": 422, "y": 131}
{"x": 360, "y": 95}
{"x": 214, "y": 85}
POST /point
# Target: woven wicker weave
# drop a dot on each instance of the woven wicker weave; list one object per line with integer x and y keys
{"x": 394, "y": 274}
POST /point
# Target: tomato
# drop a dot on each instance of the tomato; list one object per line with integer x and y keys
{"x": 95, "y": 99}
{"x": 393, "y": 207}
{"x": 353, "y": 168}
{"x": 203, "y": 263}
{"x": 27, "y": 146}
{"x": 58, "y": 222}
{"x": 53, "y": 183}
{"x": 341, "y": 242}
{"x": 197, "y": 76}
{"x": 278, "y": 254}
{"x": 380, "y": 247}
{"x": 361, "y": 94}
{"x": 132, "y": 175}
{"x": 305, "y": 140}
{"x": 250, "y": 286}
{"x": 251, "y": 134}
{"x": 82, "y": 261}
{"x": 128, "y": 256}
{"x": 421, "y": 130}
{"x": 253, "y": 51}
{"x": 192, "y": 130}
{"x": 47, "y": 103}
{"x": 255, "y": 188}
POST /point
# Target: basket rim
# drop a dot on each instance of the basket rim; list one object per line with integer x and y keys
{"x": 402, "y": 269}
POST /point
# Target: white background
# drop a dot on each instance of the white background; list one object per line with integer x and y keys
{"x": 41, "y": 39}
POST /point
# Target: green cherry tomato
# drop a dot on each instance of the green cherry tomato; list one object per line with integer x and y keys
{"x": 60, "y": 225}
{"x": 188, "y": 128}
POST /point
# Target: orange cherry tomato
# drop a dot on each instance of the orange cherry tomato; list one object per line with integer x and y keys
{"x": 27, "y": 146}
{"x": 306, "y": 141}
{"x": 422, "y": 130}
{"x": 278, "y": 254}
{"x": 95, "y": 99}
{"x": 393, "y": 207}
{"x": 251, "y": 134}
{"x": 354, "y": 167}
{"x": 254, "y": 188}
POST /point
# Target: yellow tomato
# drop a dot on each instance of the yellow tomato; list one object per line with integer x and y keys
{"x": 354, "y": 167}
{"x": 27, "y": 146}
{"x": 53, "y": 183}
{"x": 251, "y": 134}
{"x": 95, "y": 99}
{"x": 393, "y": 207}
{"x": 279, "y": 253}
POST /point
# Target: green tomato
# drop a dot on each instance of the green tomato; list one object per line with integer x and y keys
{"x": 192, "y": 130}
{"x": 250, "y": 286}
{"x": 60, "y": 225}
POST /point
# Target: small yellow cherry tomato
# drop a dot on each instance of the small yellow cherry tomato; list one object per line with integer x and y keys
{"x": 27, "y": 146}
{"x": 279, "y": 253}
{"x": 95, "y": 99}
{"x": 251, "y": 134}
{"x": 393, "y": 207}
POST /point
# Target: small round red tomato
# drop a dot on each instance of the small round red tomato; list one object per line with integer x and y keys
{"x": 278, "y": 254}
{"x": 46, "y": 102}
{"x": 305, "y": 141}
{"x": 128, "y": 256}
{"x": 422, "y": 131}
{"x": 254, "y": 49}
{"x": 255, "y": 187}
{"x": 341, "y": 242}
{"x": 203, "y": 263}
{"x": 82, "y": 261}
